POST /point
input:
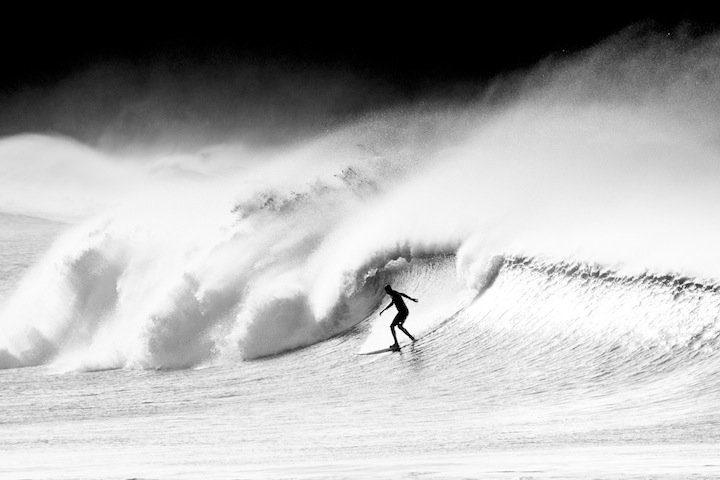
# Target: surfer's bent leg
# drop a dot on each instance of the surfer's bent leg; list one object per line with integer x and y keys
{"x": 397, "y": 322}
{"x": 401, "y": 317}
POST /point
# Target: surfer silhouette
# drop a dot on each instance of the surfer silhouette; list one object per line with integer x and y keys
{"x": 396, "y": 299}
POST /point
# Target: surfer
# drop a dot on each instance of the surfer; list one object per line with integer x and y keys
{"x": 396, "y": 299}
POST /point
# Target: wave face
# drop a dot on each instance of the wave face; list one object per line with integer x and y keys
{"x": 588, "y": 328}
{"x": 608, "y": 162}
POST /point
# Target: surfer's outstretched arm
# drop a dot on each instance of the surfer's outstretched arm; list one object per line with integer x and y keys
{"x": 389, "y": 305}
{"x": 408, "y": 297}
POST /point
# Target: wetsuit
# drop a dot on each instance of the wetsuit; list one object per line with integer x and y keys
{"x": 401, "y": 309}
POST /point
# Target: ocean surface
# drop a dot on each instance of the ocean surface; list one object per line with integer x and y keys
{"x": 549, "y": 371}
{"x": 204, "y": 311}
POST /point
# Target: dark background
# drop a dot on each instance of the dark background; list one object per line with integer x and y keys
{"x": 401, "y": 44}
{"x": 408, "y": 51}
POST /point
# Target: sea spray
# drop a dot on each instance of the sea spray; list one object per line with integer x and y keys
{"x": 184, "y": 258}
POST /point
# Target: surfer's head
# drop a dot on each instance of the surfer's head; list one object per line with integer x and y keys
{"x": 388, "y": 289}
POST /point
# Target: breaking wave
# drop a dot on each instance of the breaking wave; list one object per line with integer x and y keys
{"x": 589, "y": 194}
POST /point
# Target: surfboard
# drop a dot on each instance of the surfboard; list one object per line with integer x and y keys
{"x": 385, "y": 350}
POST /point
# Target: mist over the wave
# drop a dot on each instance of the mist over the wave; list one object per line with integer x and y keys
{"x": 184, "y": 104}
{"x": 215, "y": 246}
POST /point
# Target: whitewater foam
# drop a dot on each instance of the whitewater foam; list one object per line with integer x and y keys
{"x": 184, "y": 257}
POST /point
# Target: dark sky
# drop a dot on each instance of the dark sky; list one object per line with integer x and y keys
{"x": 47, "y": 54}
{"x": 415, "y": 45}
